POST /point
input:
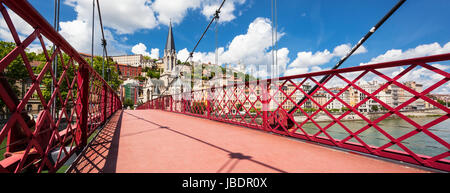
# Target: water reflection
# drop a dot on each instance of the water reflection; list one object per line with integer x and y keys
{"x": 420, "y": 143}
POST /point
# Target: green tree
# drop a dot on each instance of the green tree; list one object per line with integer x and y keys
{"x": 344, "y": 109}
{"x": 374, "y": 108}
{"x": 16, "y": 72}
{"x": 47, "y": 80}
{"x": 140, "y": 78}
{"x": 147, "y": 58}
{"x": 152, "y": 73}
{"x": 128, "y": 103}
{"x": 111, "y": 76}
{"x": 239, "y": 107}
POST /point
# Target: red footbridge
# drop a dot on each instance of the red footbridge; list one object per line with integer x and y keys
{"x": 242, "y": 127}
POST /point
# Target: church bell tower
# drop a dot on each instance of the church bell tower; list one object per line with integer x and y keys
{"x": 170, "y": 53}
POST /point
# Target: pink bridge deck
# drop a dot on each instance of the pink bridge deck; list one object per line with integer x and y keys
{"x": 153, "y": 141}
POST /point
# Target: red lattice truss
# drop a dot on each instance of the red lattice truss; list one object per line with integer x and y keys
{"x": 89, "y": 103}
{"x": 236, "y": 104}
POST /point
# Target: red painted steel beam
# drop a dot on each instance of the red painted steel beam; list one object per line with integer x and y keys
{"x": 82, "y": 106}
{"x": 221, "y": 105}
{"x": 30, "y": 15}
{"x": 39, "y": 144}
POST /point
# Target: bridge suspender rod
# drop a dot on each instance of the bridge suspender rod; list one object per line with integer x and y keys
{"x": 92, "y": 33}
{"x": 367, "y": 36}
{"x": 105, "y": 51}
{"x": 274, "y": 69}
{"x": 55, "y": 62}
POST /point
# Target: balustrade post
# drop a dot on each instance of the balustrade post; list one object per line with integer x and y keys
{"x": 208, "y": 103}
{"x": 105, "y": 103}
{"x": 171, "y": 103}
{"x": 112, "y": 101}
{"x": 182, "y": 105}
{"x": 163, "y": 103}
{"x": 265, "y": 108}
{"x": 82, "y": 106}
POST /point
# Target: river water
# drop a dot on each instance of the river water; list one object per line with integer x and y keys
{"x": 420, "y": 143}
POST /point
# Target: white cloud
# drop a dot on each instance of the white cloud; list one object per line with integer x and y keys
{"x": 128, "y": 17}
{"x": 78, "y": 34}
{"x": 295, "y": 71}
{"x": 419, "y": 74}
{"x": 309, "y": 61}
{"x": 183, "y": 54}
{"x": 122, "y": 17}
{"x": 23, "y": 30}
{"x": 154, "y": 53}
{"x": 140, "y": 48}
{"x": 78, "y": 31}
{"x": 173, "y": 9}
{"x": 306, "y": 59}
{"x": 75, "y": 33}
{"x": 344, "y": 49}
{"x": 250, "y": 49}
{"x": 227, "y": 11}
{"x": 419, "y": 51}
{"x": 125, "y": 17}
{"x": 176, "y": 10}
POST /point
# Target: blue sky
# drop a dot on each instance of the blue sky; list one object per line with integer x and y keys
{"x": 309, "y": 31}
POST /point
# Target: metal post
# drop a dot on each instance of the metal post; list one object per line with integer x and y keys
{"x": 82, "y": 106}
{"x": 265, "y": 108}
{"x": 171, "y": 103}
{"x": 105, "y": 102}
{"x": 183, "y": 109}
{"x": 113, "y": 104}
{"x": 163, "y": 106}
{"x": 208, "y": 104}
{"x": 112, "y": 101}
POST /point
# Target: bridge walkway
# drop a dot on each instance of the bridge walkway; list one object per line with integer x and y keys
{"x": 154, "y": 141}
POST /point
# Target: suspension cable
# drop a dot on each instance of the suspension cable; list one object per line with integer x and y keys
{"x": 105, "y": 51}
{"x": 273, "y": 53}
{"x": 274, "y": 16}
{"x": 92, "y": 34}
{"x": 366, "y": 37}
{"x": 276, "y": 39}
{"x": 216, "y": 16}
{"x": 55, "y": 61}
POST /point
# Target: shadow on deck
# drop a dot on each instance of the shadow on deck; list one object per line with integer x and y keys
{"x": 101, "y": 154}
{"x": 154, "y": 141}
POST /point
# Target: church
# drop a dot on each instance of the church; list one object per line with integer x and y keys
{"x": 169, "y": 79}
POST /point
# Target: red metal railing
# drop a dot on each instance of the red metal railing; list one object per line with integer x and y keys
{"x": 344, "y": 116}
{"x": 61, "y": 126}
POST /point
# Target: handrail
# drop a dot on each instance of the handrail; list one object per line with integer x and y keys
{"x": 264, "y": 105}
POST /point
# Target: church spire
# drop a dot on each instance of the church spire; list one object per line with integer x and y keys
{"x": 170, "y": 45}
